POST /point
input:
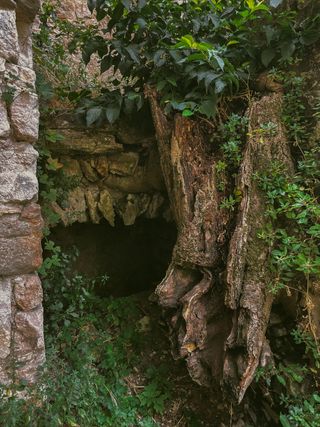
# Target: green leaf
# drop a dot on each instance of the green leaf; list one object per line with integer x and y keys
{"x": 134, "y": 54}
{"x": 208, "y": 108}
{"x": 187, "y": 113}
{"x": 93, "y": 115}
{"x": 91, "y": 5}
{"x": 267, "y": 56}
{"x": 275, "y": 3}
{"x": 284, "y": 421}
{"x": 113, "y": 112}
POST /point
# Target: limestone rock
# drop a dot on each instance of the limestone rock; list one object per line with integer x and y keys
{"x": 155, "y": 206}
{"x": 92, "y": 199}
{"x": 138, "y": 183}
{"x": 18, "y": 182}
{"x": 88, "y": 171}
{"x": 102, "y": 166}
{"x": 5, "y": 318}
{"x": 123, "y": 164}
{"x": 71, "y": 167}
{"x": 27, "y": 292}
{"x": 106, "y": 206}
{"x": 9, "y": 47}
{"x": 132, "y": 210}
{"x": 24, "y": 114}
{"x": 85, "y": 142}
{"x": 77, "y": 208}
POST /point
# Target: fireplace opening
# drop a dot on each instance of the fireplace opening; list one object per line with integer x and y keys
{"x": 135, "y": 257}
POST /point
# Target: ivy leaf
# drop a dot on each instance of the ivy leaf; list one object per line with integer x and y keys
{"x": 141, "y": 4}
{"x": 133, "y": 52}
{"x": 91, "y": 5}
{"x": 93, "y": 115}
{"x": 287, "y": 49}
{"x": 267, "y": 56}
{"x": 208, "y": 107}
{"x": 284, "y": 421}
{"x": 219, "y": 85}
{"x": 187, "y": 113}
{"x": 113, "y": 112}
{"x": 275, "y": 3}
{"x": 126, "y": 4}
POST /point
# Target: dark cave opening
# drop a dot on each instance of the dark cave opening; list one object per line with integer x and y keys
{"x": 135, "y": 258}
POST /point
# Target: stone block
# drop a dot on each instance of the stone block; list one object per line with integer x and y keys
{"x": 26, "y": 222}
{"x": 85, "y": 142}
{"x": 18, "y": 181}
{"x": 25, "y": 44}
{"x": 4, "y": 123}
{"x": 24, "y": 113}
{"x": 20, "y": 255}
{"x": 20, "y": 241}
{"x": 28, "y": 343}
{"x": 9, "y": 47}
{"x": 5, "y": 318}
{"x": 27, "y": 292}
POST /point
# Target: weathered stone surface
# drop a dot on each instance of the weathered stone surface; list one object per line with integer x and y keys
{"x": 18, "y": 182}
{"x": 26, "y": 222}
{"x": 20, "y": 255}
{"x": 24, "y": 114}
{"x": 88, "y": 170}
{"x": 9, "y": 47}
{"x": 27, "y": 10}
{"x": 106, "y": 206}
{"x": 102, "y": 166}
{"x": 7, "y": 4}
{"x": 123, "y": 164}
{"x": 155, "y": 206}
{"x": 71, "y": 167}
{"x": 20, "y": 77}
{"x": 86, "y": 142}
{"x": 27, "y": 292}
{"x": 28, "y": 343}
{"x": 4, "y": 123}
{"x": 25, "y": 44}
{"x": 92, "y": 199}
{"x": 76, "y": 210}
{"x": 5, "y": 318}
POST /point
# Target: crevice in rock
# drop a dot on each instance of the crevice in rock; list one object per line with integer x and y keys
{"x": 134, "y": 257}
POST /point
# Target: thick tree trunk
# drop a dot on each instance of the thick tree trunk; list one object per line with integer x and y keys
{"x": 218, "y": 306}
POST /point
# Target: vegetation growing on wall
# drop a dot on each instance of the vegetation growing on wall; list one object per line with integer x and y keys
{"x": 204, "y": 59}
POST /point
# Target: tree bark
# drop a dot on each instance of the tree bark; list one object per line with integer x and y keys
{"x": 215, "y": 291}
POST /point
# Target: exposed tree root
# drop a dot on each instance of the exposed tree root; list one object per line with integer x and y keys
{"x": 218, "y": 320}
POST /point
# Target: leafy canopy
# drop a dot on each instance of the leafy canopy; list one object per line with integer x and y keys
{"x": 192, "y": 51}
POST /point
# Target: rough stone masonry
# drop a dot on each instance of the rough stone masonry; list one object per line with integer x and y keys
{"x": 21, "y": 312}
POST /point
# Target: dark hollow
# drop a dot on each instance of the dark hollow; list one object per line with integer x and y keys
{"x": 134, "y": 257}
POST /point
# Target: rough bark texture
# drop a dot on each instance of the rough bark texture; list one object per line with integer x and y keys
{"x": 21, "y": 324}
{"x": 218, "y": 309}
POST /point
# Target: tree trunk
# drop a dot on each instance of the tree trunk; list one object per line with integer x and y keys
{"x": 215, "y": 290}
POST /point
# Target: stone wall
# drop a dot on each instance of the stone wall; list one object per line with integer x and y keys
{"x": 21, "y": 313}
{"x": 117, "y": 169}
